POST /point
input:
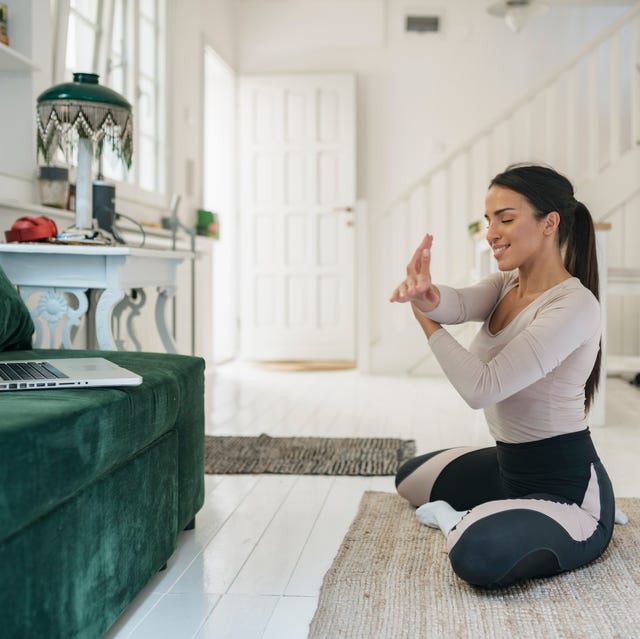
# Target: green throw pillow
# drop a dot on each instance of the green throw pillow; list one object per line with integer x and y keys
{"x": 16, "y": 325}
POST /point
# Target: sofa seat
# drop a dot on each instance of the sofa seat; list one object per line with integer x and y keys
{"x": 95, "y": 486}
{"x": 58, "y": 441}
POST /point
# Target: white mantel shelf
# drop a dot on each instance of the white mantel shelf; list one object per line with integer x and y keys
{"x": 94, "y": 250}
{"x": 28, "y": 208}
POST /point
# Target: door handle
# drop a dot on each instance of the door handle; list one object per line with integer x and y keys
{"x": 348, "y": 211}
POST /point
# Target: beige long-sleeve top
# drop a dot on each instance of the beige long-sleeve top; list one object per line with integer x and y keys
{"x": 529, "y": 377}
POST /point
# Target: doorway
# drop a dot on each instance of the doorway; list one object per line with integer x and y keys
{"x": 297, "y": 207}
{"x": 219, "y": 196}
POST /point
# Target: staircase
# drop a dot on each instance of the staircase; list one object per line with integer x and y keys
{"x": 583, "y": 121}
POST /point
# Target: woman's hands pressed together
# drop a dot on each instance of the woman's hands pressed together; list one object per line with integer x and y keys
{"x": 417, "y": 287}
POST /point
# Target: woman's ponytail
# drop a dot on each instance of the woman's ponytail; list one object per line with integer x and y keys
{"x": 581, "y": 260}
{"x": 580, "y": 257}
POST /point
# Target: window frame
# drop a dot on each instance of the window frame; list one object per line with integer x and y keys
{"x": 139, "y": 200}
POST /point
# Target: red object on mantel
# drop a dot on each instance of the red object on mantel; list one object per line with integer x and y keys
{"x": 31, "y": 229}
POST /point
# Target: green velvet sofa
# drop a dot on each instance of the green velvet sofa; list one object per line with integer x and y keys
{"x": 96, "y": 485}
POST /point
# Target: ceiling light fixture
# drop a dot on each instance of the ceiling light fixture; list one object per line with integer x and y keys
{"x": 517, "y": 13}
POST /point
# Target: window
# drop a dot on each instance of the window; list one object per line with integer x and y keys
{"x": 83, "y": 36}
{"x": 124, "y": 42}
{"x": 149, "y": 91}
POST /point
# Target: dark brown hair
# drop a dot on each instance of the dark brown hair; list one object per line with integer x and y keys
{"x": 547, "y": 190}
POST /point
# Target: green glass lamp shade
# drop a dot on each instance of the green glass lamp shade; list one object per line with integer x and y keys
{"x": 84, "y": 88}
{"x": 86, "y": 109}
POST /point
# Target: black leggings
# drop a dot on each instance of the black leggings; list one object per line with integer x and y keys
{"x": 535, "y": 509}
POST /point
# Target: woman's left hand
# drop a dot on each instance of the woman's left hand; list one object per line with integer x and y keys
{"x": 417, "y": 287}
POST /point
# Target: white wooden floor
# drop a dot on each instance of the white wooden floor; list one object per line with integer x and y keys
{"x": 253, "y": 567}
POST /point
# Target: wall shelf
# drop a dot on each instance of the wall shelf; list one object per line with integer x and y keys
{"x": 11, "y": 60}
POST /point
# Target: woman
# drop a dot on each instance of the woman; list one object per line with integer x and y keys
{"x": 539, "y": 502}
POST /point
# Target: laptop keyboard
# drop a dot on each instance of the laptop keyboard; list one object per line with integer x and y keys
{"x": 29, "y": 371}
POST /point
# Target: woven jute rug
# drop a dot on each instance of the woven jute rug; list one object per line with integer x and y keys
{"x": 391, "y": 579}
{"x": 305, "y": 455}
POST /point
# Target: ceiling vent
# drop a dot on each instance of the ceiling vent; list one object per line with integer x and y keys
{"x": 422, "y": 24}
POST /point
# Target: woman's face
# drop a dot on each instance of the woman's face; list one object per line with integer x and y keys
{"x": 513, "y": 232}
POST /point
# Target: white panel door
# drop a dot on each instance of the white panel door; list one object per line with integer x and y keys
{"x": 297, "y": 195}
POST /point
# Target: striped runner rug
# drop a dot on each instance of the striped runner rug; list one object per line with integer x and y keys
{"x": 305, "y": 455}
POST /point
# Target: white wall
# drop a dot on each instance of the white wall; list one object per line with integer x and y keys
{"x": 189, "y": 25}
{"x": 419, "y": 95}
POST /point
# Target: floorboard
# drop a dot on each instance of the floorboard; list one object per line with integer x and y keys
{"x": 253, "y": 567}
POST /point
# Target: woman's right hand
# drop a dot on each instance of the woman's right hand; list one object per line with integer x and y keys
{"x": 417, "y": 287}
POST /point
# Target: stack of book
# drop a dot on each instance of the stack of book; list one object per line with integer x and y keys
{"x": 4, "y": 38}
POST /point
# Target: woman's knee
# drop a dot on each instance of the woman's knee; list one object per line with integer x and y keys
{"x": 408, "y": 467}
{"x": 487, "y": 566}
{"x": 499, "y": 550}
{"x": 461, "y": 476}
{"x": 414, "y": 481}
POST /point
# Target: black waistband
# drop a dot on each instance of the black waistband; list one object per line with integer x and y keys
{"x": 548, "y": 455}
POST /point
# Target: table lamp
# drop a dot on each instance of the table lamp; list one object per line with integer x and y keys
{"x": 76, "y": 116}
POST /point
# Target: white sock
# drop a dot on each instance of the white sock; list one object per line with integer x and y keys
{"x": 439, "y": 514}
{"x": 621, "y": 517}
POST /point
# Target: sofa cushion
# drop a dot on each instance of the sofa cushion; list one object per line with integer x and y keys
{"x": 16, "y": 325}
{"x": 76, "y": 568}
{"x": 69, "y": 437}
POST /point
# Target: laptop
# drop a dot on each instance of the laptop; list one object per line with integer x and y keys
{"x": 64, "y": 373}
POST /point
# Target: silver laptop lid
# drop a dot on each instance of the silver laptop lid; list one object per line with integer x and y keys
{"x": 64, "y": 373}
